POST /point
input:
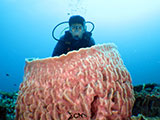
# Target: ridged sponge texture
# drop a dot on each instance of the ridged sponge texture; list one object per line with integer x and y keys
{"x": 89, "y": 84}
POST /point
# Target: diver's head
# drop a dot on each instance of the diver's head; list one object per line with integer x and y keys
{"x": 77, "y": 26}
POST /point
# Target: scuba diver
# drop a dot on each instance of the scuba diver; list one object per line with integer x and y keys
{"x": 75, "y": 38}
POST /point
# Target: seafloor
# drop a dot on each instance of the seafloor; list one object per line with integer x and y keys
{"x": 146, "y": 107}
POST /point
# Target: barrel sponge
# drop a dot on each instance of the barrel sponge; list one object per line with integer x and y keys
{"x": 89, "y": 84}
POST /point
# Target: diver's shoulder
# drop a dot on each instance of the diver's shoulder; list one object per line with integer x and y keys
{"x": 89, "y": 34}
{"x": 62, "y": 39}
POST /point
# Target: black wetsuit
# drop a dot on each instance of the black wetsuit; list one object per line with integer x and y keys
{"x": 68, "y": 43}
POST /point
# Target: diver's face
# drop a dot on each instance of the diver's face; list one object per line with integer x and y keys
{"x": 77, "y": 30}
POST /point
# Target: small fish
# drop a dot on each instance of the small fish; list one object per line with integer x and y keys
{"x": 7, "y": 75}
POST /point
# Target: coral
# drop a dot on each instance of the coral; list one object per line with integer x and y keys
{"x": 147, "y": 100}
{"x": 89, "y": 84}
{"x": 7, "y": 105}
{"x": 141, "y": 117}
{"x": 3, "y": 113}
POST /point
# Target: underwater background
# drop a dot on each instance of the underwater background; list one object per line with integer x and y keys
{"x": 26, "y": 32}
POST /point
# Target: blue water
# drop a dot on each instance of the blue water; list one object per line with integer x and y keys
{"x": 26, "y": 26}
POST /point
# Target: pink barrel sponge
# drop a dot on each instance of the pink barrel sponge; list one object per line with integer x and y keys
{"x": 89, "y": 84}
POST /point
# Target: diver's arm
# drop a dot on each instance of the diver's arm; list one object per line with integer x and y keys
{"x": 91, "y": 42}
{"x": 59, "y": 48}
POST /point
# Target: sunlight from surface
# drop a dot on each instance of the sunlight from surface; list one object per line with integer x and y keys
{"x": 115, "y": 11}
